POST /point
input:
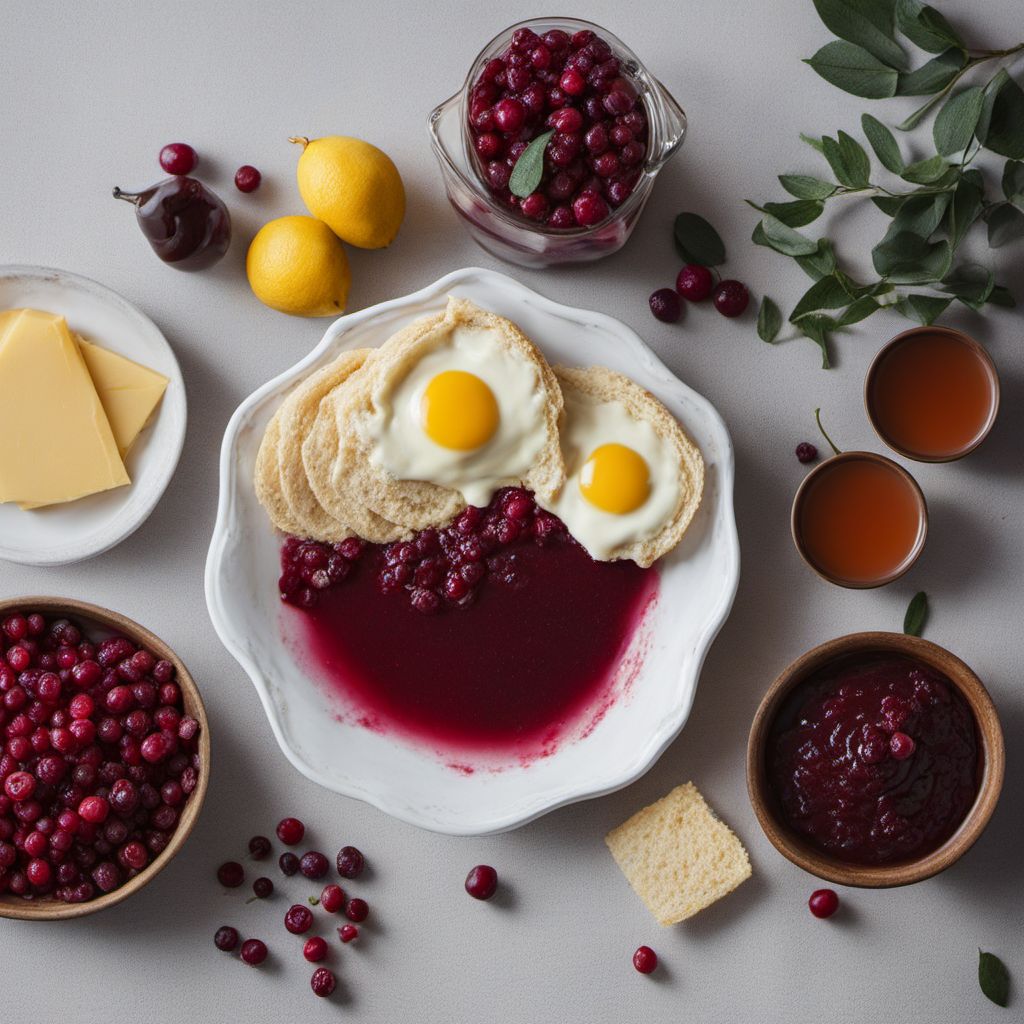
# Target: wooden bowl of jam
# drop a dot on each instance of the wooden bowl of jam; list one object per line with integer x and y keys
{"x": 932, "y": 394}
{"x": 875, "y": 760}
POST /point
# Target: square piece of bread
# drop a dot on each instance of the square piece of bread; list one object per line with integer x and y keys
{"x": 678, "y": 857}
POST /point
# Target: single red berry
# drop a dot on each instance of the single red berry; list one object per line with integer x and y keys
{"x": 823, "y": 902}
{"x": 694, "y": 282}
{"x": 315, "y": 949}
{"x": 314, "y": 864}
{"x": 247, "y": 178}
{"x": 357, "y": 910}
{"x": 288, "y": 863}
{"x": 322, "y": 982}
{"x": 178, "y": 158}
{"x": 645, "y": 960}
{"x": 806, "y": 452}
{"x": 332, "y": 898}
{"x": 665, "y": 305}
{"x": 299, "y": 919}
{"x": 290, "y": 831}
{"x": 731, "y": 298}
{"x": 94, "y": 809}
{"x": 259, "y": 847}
{"x": 230, "y": 874}
{"x": 901, "y": 746}
{"x": 350, "y": 862}
{"x": 226, "y": 938}
{"x": 254, "y": 952}
{"x": 262, "y": 888}
{"x": 348, "y": 932}
{"x": 482, "y": 882}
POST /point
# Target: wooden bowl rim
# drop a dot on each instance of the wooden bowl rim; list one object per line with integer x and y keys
{"x": 973, "y": 344}
{"x": 801, "y": 853}
{"x": 797, "y": 531}
{"x": 47, "y": 908}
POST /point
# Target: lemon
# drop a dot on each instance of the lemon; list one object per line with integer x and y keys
{"x": 352, "y": 187}
{"x": 297, "y": 265}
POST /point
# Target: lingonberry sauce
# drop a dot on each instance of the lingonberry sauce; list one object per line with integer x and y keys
{"x": 497, "y": 635}
{"x": 847, "y": 778}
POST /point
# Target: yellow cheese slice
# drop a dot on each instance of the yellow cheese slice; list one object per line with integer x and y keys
{"x": 57, "y": 443}
{"x": 128, "y": 392}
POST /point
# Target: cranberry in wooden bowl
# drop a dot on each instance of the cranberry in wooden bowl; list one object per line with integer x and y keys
{"x": 104, "y": 757}
{"x": 614, "y": 125}
{"x": 875, "y": 760}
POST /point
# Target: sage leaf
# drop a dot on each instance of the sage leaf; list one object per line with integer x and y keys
{"x": 1005, "y": 224}
{"x": 769, "y": 321}
{"x": 697, "y": 241}
{"x": 954, "y": 127}
{"x": 820, "y": 263}
{"x": 994, "y": 978}
{"x": 926, "y": 27}
{"x": 529, "y": 167}
{"x": 925, "y": 172}
{"x": 907, "y": 258}
{"x": 854, "y": 70}
{"x": 804, "y": 187}
{"x": 828, "y": 293}
{"x": 782, "y": 238}
{"x": 883, "y": 142}
{"x": 1013, "y": 182}
{"x": 933, "y": 76}
{"x": 968, "y": 202}
{"x": 1000, "y": 126}
{"x": 864, "y": 24}
{"x": 797, "y": 213}
{"x": 971, "y": 283}
{"x": 925, "y": 309}
{"x": 817, "y": 329}
{"x": 917, "y": 612}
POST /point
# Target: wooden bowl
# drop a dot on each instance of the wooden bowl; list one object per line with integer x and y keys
{"x": 992, "y": 755}
{"x": 96, "y": 620}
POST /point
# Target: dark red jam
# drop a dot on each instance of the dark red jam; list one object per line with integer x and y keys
{"x": 509, "y": 659}
{"x": 875, "y": 761}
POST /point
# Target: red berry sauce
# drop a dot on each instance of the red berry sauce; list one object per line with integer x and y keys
{"x": 577, "y": 86}
{"x": 502, "y": 633}
{"x": 875, "y": 762}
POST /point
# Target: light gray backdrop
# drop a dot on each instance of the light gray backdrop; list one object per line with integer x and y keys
{"x": 88, "y": 94}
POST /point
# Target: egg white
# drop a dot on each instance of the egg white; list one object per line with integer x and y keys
{"x": 400, "y": 446}
{"x": 590, "y": 423}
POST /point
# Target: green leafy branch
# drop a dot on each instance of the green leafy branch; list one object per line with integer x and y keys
{"x": 937, "y": 199}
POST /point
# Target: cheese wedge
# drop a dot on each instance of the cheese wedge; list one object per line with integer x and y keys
{"x": 128, "y": 392}
{"x": 56, "y": 444}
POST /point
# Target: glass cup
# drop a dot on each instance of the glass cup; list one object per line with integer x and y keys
{"x": 505, "y": 233}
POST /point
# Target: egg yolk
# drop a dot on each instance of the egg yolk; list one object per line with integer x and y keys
{"x": 615, "y": 479}
{"x": 458, "y": 410}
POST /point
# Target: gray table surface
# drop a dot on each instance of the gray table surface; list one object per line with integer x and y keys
{"x": 88, "y": 94}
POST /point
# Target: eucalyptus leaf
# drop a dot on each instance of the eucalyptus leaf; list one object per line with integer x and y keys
{"x": 804, "y": 187}
{"x": 797, "y": 213}
{"x": 883, "y": 142}
{"x": 858, "y": 310}
{"x": 828, "y": 293}
{"x": 994, "y": 978}
{"x": 782, "y": 238}
{"x": 956, "y": 121}
{"x": 1005, "y": 224}
{"x": 889, "y": 205}
{"x": 817, "y": 328}
{"x": 925, "y": 172}
{"x": 968, "y": 202}
{"x": 917, "y": 612}
{"x": 769, "y": 321}
{"x": 1001, "y": 126}
{"x": 864, "y": 24}
{"x": 1001, "y": 296}
{"x": 992, "y": 90}
{"x": 920, "y": 215}
{"x": 697, "y": 241}
{"x": 854, "y": 70}
{"x": 925, "y": 309}
{"x": 971, "y": 283}
{"x": 914, "y": 119}
{"x": 819, "y": 263}
{"x": 907, "y": 258}
{"x": 529, "y": 167}
{"x": 813, "y": 141}
{"x": 926, "y": 27}
{"x": 932, "y": 76}
{"x": 848, "y": 161}
{"x": 1013, "y": 182}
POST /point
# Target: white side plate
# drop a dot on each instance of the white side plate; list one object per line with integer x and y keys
{"x": 698, "y": 583}
{"x": 61, "y": 534}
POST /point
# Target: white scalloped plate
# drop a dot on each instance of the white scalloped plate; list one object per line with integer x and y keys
{"x": 413, "y": 783}
{"x": 63, "y": 534}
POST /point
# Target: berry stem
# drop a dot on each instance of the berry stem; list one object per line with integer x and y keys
{"x": 128, "y": 197}
{"x": 824, "y": 433}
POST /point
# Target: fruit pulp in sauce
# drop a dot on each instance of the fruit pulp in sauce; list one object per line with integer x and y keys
{"x": 932, "y": 395}
{"x": 859, "y": 520}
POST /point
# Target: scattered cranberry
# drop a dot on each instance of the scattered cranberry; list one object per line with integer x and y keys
{"x": 357, "y": 909}
{"x": 823, "y": 902}
{"x": 694, "y": 282}
{"x": 332, "y": 898}
{"x": 806, "y": 452}
{"x": 314, "y": 864}
{"x": 299, "y": 919}
{"x": 178, "y": 158}
{"x": 315, "y": 949}
{"x": 350, "y": 862}
{"x": 731, "y": 298}
{"x": 645, "y": 960}
{"x": 348, "y": 932}
{"x": 322, "y": 982}
{"x": 247, "y": 178}
{"x": 482, "y": 882}
{"x": 254, "y": 952}
{"x": 901, "y": 746}
{"x": 665, "y": 305}
{"x": 226, "y": 938}
{"x": 262, "y": 888}
{"x": 230, "y": 874}
{"x": 290, "y": 831}
{"x": 259, "y": 847}
{"x": 288, "y": 863}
